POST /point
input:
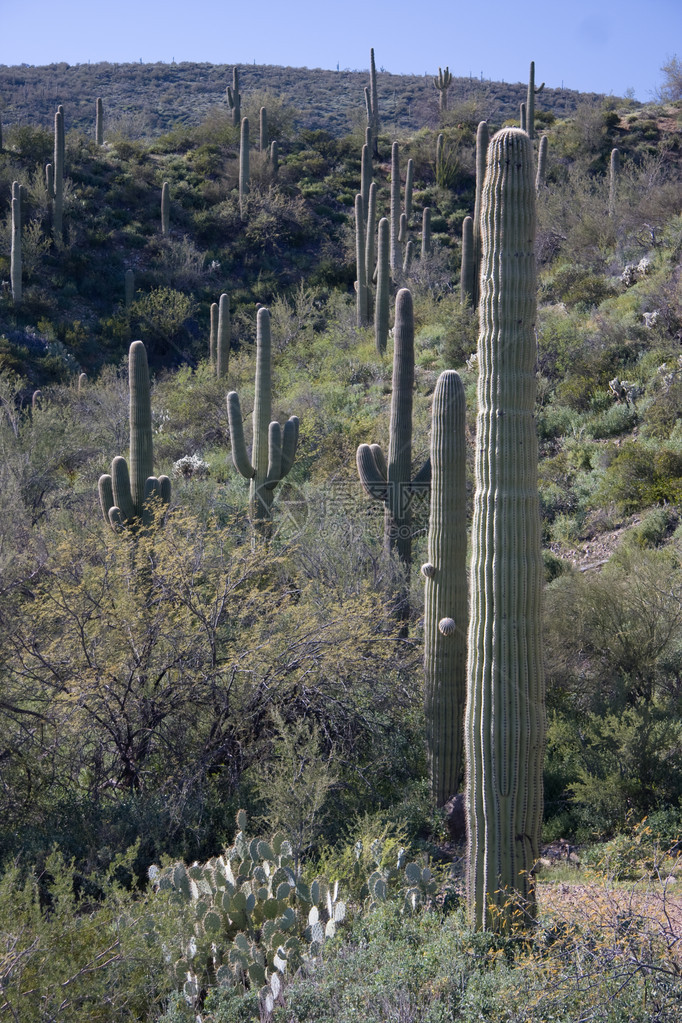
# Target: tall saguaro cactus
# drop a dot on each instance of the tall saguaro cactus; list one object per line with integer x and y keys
{"x": 274, "y": 448}
{"x": 530, "y": 101}
{"x": 99, "y": 122}
{"x": 426, "y": 231}
{"x": 234, "y": 99}
{"x": 445, "y": 592}
{"x": 125, "y": 495}
{"x": 390, "y": 481}
{"x": 482, "y": 138}
{"x": 361, "y": 271}
{"x": 394, "y": 254}
{"x": 442, "y": 83}
{"x": 244, "y": 170}
{"x": 58, "y": 175}
{"x": 263, "y": 126}
{"x": 383, "y": 286}
{"x": 15, "y": 253}
{"x": 467, "y": 284}
{"x": 614, "y": 171}
{"x": 223, "y": 337}
{"x": 505, "y": 720}
{"x": 372, "y": 104}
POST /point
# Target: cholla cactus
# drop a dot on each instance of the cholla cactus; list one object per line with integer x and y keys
{"x": 126, "y": 496}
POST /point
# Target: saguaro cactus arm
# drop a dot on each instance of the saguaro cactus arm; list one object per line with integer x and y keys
{"x": 240, "y": 456}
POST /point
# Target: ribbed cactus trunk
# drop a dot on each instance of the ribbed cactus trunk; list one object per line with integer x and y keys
{"x": 263, "y": 126}
{"x": 58, "y": 178}
{"x": 467, "y": 284}
{"x": 244, "y": 172}
{"x": 370, "y": 236}
{"x": 481, "y": 151}
{"x": 99, "y": 122}
{"x": 445, "y": 591}
{"x": 614, "y": 170}
{"x": 165, "y": 209}
{"x": 223, "y": 337}
{"x": 383, "y": 287}
{"x": 394, "y": 255}
{"x": 365, "y": 179}
{"x": 15, "y": 252}
{"x": 541, "y": 172}
{"x": 505, "y": 718}
{"x": 426, "y": 231}
{"x": 361, "y": 274}
{"x": 274, "y": 449}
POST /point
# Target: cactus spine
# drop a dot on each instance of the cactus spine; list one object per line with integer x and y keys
{"x": 542, "y": 164}
{"x": 15, "y": 254}
{"x": 234, "y": 99}
{"x": 445, "y": 592}
{"x": 481, "y": 150}
{"x": 165, "y": 209}
{"x": 263, "y": 130}
{"x": 614, "y": 170}
{"x": 274, "y": 448}
{"x": 466, "y": 283}
{"x": 383, "y": 285}
{"x": 361, "y": 282}
{"x": 99, "y": 122}
{"x": 504, "y": 720}
{"x": 390, "y": 482}
{"x": 244, "y": 173}
{"x": 223, "y": 337}
{"x": 58, "y": 166}
{"x": 426, "y": 231}
{"x": 394, "y": 257}
{"x": 442, "y": 83}
{"x": 125, "y": 495}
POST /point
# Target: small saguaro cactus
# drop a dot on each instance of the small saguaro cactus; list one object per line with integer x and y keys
{"x": 274, "y": 449}
{"x": 542, "y": 164}
{"x": 99, "y": 122}
{"x": 15, "y": 254}
{"x": 223, "y": 337}
{"x": 234, "y": 99}
{"x": 361, "y": 272}
{"x": 244, "y": 172}
{"x": 445, "y": 591}
{"x": 58, "y": 178}
{"x": 522, "y": 115}
{"x": 383, "y": 287}
{"x": 394, "y": 255}
{"x": 274, "y": 158}
{"x": 467, "y": 276}
{"x": 442, "y": 83}
{"x": 129, "y": 283}
{"x": 263, "y": 130}
{"x": 505, "y": 711}
{"x": 126, "y": 496}
{"x": 426, "y": 231}
{"x": 408, "y": 257}
{"x": 530, "y": 101}
{"x": 614, "y": 170}
{"x": 391, "y": 482}
{"x": 482, "y": 138}
{"x": 165, "y": 209}
{"x": 213, "y": 334}
{"x": 402, "y": 229}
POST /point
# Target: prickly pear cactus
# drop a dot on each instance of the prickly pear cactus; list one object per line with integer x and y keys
{"x": 504, "y": 720}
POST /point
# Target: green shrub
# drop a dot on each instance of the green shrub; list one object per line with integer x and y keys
{"x": 639, "y": 475}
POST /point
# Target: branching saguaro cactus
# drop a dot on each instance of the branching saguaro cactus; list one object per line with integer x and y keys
{"x": 391, "y": 481}
{"x": 15, "y": 253}
{"x": 442, "y": 83}
{"x": 504, "y": 720}
{"x": 530, "y": 101}
{"x": 274, "y": 448}
{"x": 234, "y": 99}
{"x": 126, "y": 495}
{"x": 445, "y": 592}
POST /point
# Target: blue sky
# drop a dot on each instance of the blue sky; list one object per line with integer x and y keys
{"x": 599, "y": 46}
